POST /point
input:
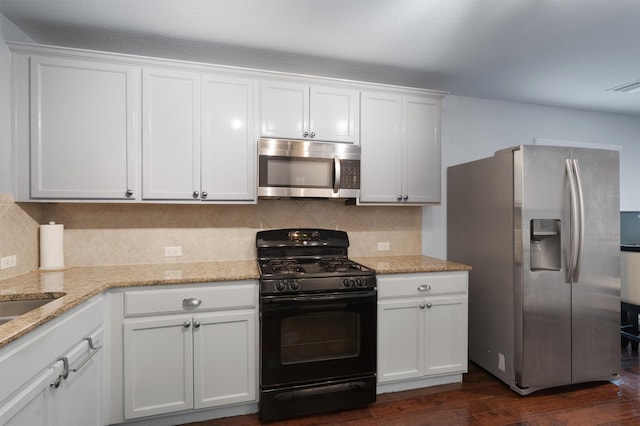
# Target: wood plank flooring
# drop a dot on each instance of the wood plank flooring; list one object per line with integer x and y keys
{"x": 481, "y": 399}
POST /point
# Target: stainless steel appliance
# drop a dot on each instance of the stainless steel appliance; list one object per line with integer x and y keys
{"x": 540, "y": 227}
{"x": 317, "y": 324}
{"x": 292, "y": 168}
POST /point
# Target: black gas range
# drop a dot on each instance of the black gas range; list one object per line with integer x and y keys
{"x": 318, "y": 325}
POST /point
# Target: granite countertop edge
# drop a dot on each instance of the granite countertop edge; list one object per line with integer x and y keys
{"x": 70, "y": 287}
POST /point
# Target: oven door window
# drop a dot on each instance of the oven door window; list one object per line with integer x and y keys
{"x": 335, "y": 335}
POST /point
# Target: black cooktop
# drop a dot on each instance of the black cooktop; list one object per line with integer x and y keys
{"x": 301, "y": 260}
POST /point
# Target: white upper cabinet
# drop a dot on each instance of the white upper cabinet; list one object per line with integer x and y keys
{"x": 104, "y": 127}
{"x": 170, "y": 134}
{"x": 300, "y": 111}
{"x": 83, "y": 131}
{"x": 380, "y": 180}
{"x": 228, "y": 153}
{"x": 421, "y": 149}
{"x": 198, "y": 139}
{"x": 400, "y": 148}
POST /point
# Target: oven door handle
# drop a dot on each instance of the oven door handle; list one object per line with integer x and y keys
{"x": 318, "y": 298}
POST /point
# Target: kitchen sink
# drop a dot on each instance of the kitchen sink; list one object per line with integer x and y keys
{"x": 10, "y": 309}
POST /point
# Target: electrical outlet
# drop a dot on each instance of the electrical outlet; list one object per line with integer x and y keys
{"x": 384, "y": 246}
{"x": 173, "y": 251}
{"x": 8, "y": 262}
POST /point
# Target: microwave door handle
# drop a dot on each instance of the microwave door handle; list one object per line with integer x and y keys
{"x": 336, "y": 175}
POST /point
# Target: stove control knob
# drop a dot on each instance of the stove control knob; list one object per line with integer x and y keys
{"x": 280, "y": 285}
{"x": 294, "y": 285}
{"x": 360, "y": 282}
{"x": 347, "y": 283}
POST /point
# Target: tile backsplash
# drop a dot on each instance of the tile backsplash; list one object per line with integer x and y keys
{"x": 118, "y": 234}
{"x": 18, "y": 235}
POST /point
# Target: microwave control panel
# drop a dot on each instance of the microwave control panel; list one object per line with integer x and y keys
{"x": 350, "y": 174}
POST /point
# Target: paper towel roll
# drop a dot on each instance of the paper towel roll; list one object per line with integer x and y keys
{"x": 52, "y": 246}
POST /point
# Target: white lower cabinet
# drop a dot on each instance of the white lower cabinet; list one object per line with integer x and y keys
{"x": 31, "y": 405}
{"x": 422, "y": 329}
{"x": 42, "y": 388}
{"x": 203, "y": 358}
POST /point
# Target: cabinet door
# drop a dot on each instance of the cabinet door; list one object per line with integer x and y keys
{"x": 170, "y": 134}
{"x": 446, "y": 336}
{"x": 380, "y": 141}
{"x": 334, "y": 114}
{"x": 228, "y": 141}
{"x": 401, "y": 340}
{"x": 83, "y": 131}
{"x": 224, "y": 358}
{"x": 421, "y": 143}
{"x": 284, "y": 110}
{"x": 31, "y": 405}
{"x": 78, "y": 400}
{"x": 158, "y": 366}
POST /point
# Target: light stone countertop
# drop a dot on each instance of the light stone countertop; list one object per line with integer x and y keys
{"x": 72, "y": 286}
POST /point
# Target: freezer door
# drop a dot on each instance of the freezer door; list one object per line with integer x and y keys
{"x": 596, "y": 292}
{"x": 542, "y": 297}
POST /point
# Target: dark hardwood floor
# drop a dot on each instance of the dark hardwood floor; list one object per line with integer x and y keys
{"x": 483, "y": 400}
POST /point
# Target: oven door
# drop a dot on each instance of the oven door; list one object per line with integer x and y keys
{"x": 317, "y": 337}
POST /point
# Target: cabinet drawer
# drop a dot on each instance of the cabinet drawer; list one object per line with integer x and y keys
{"x": 426, "y": 284}
{"x": 212, "y": 297}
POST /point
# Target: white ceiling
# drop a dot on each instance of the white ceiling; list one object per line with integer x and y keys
{"x": 554, "y": 52}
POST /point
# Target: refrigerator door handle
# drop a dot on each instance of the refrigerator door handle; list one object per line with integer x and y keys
{"x": 578, "y": 257}
{"x": 574, "y": 220}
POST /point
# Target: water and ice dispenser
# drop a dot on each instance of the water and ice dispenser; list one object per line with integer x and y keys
{"x": 545, "y": 245}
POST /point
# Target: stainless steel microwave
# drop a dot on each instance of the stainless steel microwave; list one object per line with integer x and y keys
{"x": 292, "y": 168}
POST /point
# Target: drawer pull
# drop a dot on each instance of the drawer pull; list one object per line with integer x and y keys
{"x": 191, "y": 302}
{"x": 92, "y": 347}
{"x": 62, "y": 376}
{"x": 424, "y": 287}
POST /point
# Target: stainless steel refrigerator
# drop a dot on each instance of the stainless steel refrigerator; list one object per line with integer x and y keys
{"x": 541, "y": 228}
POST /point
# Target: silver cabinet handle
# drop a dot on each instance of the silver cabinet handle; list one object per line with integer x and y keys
{"x": 95, "y": 350}
{"x": 191, "y": 302}
{"x": 429, "y": 305}
{"x": 186, "y": 324}
{"x": 204, "y": 194}
{"x": 313, "y": 134}
{"x": 422, "y": 306}
{"x": 56, "y": 383}
{"x": 129, "y": 193}
{"x": 424, "y": 287}
{"x": 305, "y": 134}
{"x": 65, "y": 367}
{"x": 405, "y": 198}
{"x": 196, "y": 194}
{"x": 399, "y": 197}
{"x": 196, "y": 324}
{"x": 62, "y": 376}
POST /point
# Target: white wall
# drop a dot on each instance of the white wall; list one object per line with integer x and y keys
{"x": 475, "y": 128}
